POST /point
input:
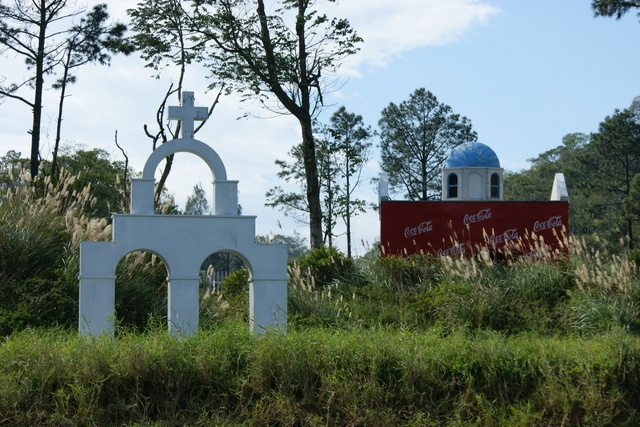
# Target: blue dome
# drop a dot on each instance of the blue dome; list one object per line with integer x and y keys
{"x": 472, "y": 154}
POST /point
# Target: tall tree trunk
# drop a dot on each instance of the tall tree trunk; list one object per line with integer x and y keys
{"x": 328, "y": 232}
{"x": 37, "y": 101}
{"x": 308, "y": 142}
{"x": 313, "y": 187}
{"x": 347, "y": 201}
{"x": 63, "y": 91}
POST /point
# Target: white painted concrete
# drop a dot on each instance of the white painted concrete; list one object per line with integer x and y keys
{"x": 183, "y": 242}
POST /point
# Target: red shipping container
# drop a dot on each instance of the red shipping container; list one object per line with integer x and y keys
{"x": 451, "y": 228}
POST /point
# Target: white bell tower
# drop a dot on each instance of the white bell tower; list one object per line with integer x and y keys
{"x": 472, "y": 172}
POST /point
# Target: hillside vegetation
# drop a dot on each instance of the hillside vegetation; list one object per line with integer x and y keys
{"x": 374, "y": 341}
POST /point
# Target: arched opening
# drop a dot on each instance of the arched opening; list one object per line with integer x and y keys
{"x": 452, "y": 186}
{"x": 188, "y": 172}
{"x": 224, "y": 288}
{"x": 495, "y": 186}
{"x": 475, "y": 187}
{"x": 141, "y": 291}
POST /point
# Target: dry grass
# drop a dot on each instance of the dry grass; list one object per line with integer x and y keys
{"x": 41, "y": 225}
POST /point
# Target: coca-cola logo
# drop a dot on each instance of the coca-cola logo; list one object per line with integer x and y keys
{"x": 510, "y": 234}
{"x": 481, "y": 215}
{"x": 453, "y": 250}
{"x": 554, "y": 221}
{"x": 423, "y": 227}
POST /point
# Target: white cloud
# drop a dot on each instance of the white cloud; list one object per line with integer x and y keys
{"x": 391, "y": 27}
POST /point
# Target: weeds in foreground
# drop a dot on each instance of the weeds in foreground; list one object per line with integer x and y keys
{"x": 318, "y": 376}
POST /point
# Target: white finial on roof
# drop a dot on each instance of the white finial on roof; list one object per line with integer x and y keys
{"x": 559, "y": 191}
{"x": 383, "y": 187}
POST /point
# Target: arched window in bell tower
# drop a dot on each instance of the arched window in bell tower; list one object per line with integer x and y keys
{"x": 495, "y": 186}
{"x": 452, "y": 186}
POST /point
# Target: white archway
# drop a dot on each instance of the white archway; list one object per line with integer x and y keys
{"x": 183, "y": 241}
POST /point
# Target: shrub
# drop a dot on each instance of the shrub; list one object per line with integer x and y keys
{"x": 318, "y": 377}
{"x": 321, "y": 283}
{"x": 235, "y": 290}
{"x": 141, "y": 290}
{"x": 41, "y": 225}
{"x": 321, "y": 267}
{"x": 401, "y": 275}
{"x": 230, "y": 303}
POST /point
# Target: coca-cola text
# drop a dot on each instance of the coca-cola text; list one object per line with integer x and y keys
{"x": 481, "y": 215}
{"x": 453, "y": 250}
{"x": 554, "y": 221}
{"x": 424, "y": 227}
{"x": 510, "y": 234}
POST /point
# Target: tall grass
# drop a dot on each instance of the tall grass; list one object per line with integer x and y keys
{"x": 41, "y": 225}
{"x": 589, "y": 291}
{"x": 382, "y": 377}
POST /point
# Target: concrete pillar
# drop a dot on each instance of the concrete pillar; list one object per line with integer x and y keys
{"x": 183, "y": 305}
{"x": 225, "y": 198}
{"x": 142, "y": 196}
{"x": 97, "y": 305}
{"x": 268, "y": 305}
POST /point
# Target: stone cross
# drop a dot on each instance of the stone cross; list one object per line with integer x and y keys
{"x": 187, "y": 114}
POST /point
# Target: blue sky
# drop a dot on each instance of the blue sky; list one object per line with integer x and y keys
{"x": 524, "y": 72}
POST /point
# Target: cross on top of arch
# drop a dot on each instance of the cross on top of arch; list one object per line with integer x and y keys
{"x": 187, "y": 114}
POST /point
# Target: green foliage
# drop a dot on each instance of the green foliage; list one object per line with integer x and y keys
{"x": 92, "y": 169}
{"x": 229, "y": 302}
{"x": 617, "y": 8}
{"x": 235, "y": 290}
{"x": 41, "y": 224}
{"x": 601, "y": 312}
{"x": 535, "y": 183}
{"x": 318, "y": 377}
{"x": 11, "y": 166}
{"x": 404, "y": 275}
{"x": 599, "y": 170}
{"x": 161, "y": 34}
{"x": 519, "y": 298}
{"x": 256, "y": 67}
{"x": 141, "y": 291}
{"x": 321, "y": 284}
{"x": 323, "y": 266}
{"x": 104, "y": 177}
{"x": 296, "y": 244}
{"x": 197, "y": 203}
{"x": 341, "y": 155}
{"x": 614, "y": 157}
{"x": 416, "y": 139}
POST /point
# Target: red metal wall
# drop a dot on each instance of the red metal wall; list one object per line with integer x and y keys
{"x": 449, "y": 228}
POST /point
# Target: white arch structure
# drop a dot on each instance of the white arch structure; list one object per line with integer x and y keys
{"x": 183, "y": 242}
